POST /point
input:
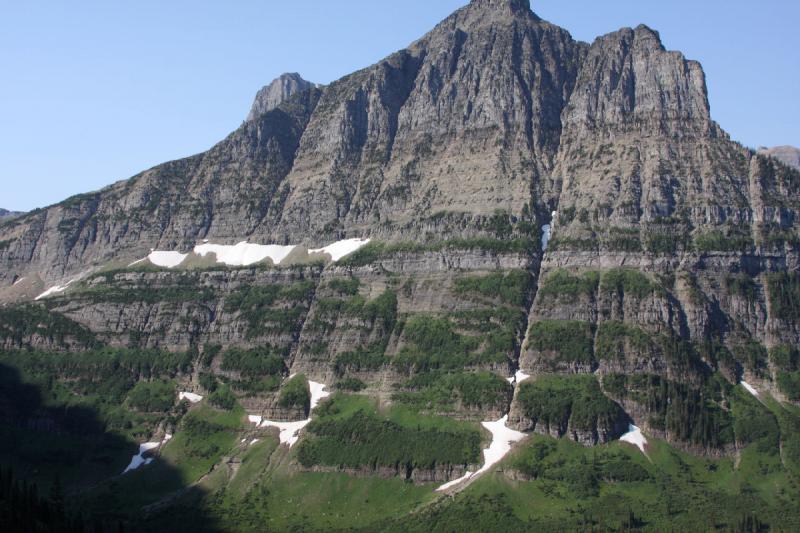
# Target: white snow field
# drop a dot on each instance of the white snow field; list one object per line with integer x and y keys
{"x": 61, "y": 288}
{"x": 166, "y": 259}
{"x": 502, "y": 438}
{"x": 244, "y": 253}
{"x": 752, "y": 390}
{"x": 341, "y": 249}
{"x": 139, "y": 459}
{"x": 634, "y": 436}
{"x": 547, "y": 230}
{"x": 192, "y": 397}
{"x": 520, "y": 376}
{"x": 290, "y": 431}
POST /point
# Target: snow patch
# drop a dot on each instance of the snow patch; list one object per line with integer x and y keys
{"x": 752, "y": 390}
{"x": 166, "y": 259}
{"x": 139, "y": 459}
{"x": 290, "y": 431}
{"x": 60, "y": 288}
{"x": 244, "y": 253}
{"x": 547, "y": 230}
{"x": 455, "y": 482}
{"x": 502, "y": 438}
{"x": 520, "y": 376}
{"x": 20, "y": 280}
{"x": 341, "y": 249}
{"x": 137, "y": 262}
{"x": 254, "y": 441}
{"x": 192, "y": 397}
{"x": 634, "y": 436}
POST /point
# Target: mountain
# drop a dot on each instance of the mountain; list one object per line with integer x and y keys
{"x": 786, "y": 154}
{"x": 5, "y": 213}
{"x": 371, "y": 289}
{"x": 277, "y": 92}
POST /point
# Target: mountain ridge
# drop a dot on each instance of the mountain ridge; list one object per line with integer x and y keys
{"x": 553, "y": 275}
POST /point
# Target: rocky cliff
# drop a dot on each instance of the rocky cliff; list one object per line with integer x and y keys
{"x": 671, "y": 269}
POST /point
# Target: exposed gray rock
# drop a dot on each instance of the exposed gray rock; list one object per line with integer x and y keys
{"x": 277, "y": 92}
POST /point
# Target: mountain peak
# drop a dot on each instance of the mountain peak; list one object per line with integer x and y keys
{"x": 514, "y": 5}
{"x": 787, "y": 154}
{"x": 277, "y": 92}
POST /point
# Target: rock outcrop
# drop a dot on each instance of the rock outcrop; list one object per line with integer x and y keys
{"x": 277, "y": 92}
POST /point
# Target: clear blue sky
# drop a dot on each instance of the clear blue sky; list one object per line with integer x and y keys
{"x": 96, "y": 91}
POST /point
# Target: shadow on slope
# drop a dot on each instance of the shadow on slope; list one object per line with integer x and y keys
{"x": 51, "y": 444}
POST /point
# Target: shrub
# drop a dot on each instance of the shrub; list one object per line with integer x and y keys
{"x": 351, "y": 384}
{"x": 441, "y": 390}
{"x": 784, "y": 295}
{"x": 152, "y": 396}
{"x": 627, "y": 282}
{"x": 295, "y": 394}
{"x": 510, "y": 287}
{"x": 364, "y": 439}
{"x": 563, "y": 283}
{"x": 223, "y": 398}
{"x": 253, "y": 363}
{"x": 613, "y": 338}
{"x": 556, "y": 401}
{"x": 570, "y": 340}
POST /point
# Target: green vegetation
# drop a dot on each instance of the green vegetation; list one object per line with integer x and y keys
{"x": 628, "y": 282}
{"x": 295, "y": 394}
{"x": 562, "y": 283}
{"x": 743, "y": 286}
{"x": 362, "y": 358}
{"x": 558, "y": 401}
{"x": 202, "y": 438}
{"x": 571, "y": 341}
{"x": 616, "y": 488}
{"x": 789, "y": 384}
{"x": 254, "y": 363}
{"x": 350, "y": 433}
{"x": 615, "y": 338}
{"x": 376, "y": 250}
{"x": 21, "y": 322}
{"x": 152, "y": 396}
{"x": 784, "y": 295}
{"x": 691, "y": 414}
{"x": 752, "y": 356}
{"x": 439, "y": 391}
{"x": 730, "y": 240}
{"x": 347, "y": 286}
{"x": 432, "y": 343}
{"x": 351, "y": 384}
{"x": 379, "y": 312}
{"x": 510, "y": 287}
{"x": 261, "y": 306}
{"x": 223, "y": 398}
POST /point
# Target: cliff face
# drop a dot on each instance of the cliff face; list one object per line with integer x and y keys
{"x": 277, "y": 92}
{"x": 667, "y": 266}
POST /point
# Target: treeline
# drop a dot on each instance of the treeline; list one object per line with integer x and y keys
{"x": 570, "y": 402}
{"x": 688, "y": 413}
{"x": 366, "y": 440}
